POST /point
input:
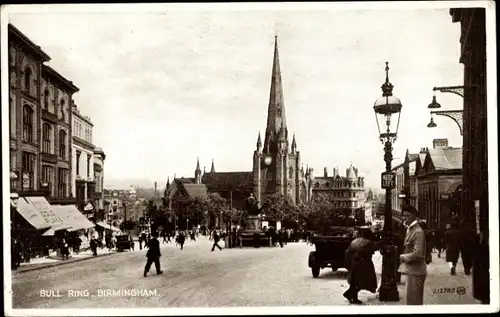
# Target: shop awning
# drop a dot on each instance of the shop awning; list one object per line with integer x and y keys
{"x": 72, "y": 217}
{"x": 47, "y": 212}
{"x": 31, "y": 214}
{"x": 107, "y": 226}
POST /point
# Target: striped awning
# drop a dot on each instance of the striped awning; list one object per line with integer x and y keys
{"x": 72, "y": 217}
{"x": 31, "y": 214}
{"x": 48, "y": 213}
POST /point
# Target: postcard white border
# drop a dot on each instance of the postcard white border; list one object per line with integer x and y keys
{"x": 382, "y": 309}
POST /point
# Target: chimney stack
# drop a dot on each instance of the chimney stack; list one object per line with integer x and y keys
{"x": 326, "y": 172}
{"x": 439, "y": 143}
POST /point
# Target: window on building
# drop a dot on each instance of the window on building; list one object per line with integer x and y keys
{"x": 62, "y": 144}
{"x": 27, "y": 79}
{"x": 62, "y": 182}
{"x": 28, "y": 171}
{"x": 47, "y": 138}
{"x": 28, "y": 118}
{"x": 46, "y": 99}
{"x": 88, "y": 165}
{"x": 78, "y": 155}
{"x": 48, "y": 177}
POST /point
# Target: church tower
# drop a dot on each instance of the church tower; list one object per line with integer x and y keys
{"x": 276, "y": 166}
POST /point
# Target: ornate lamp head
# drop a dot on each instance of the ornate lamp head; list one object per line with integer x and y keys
{"x": 385, "y": 107}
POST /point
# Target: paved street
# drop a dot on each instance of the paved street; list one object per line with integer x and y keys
{"x": 196, "y": 277}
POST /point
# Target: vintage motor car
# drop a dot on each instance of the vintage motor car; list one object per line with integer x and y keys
{"x": 330, "y": 249}
{"x": 123, "y": 243}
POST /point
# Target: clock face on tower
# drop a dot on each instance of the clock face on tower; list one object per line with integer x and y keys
{"x": 268, "y": 160}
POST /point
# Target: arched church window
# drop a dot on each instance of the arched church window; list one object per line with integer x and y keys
{"x": 278, "y": 112}
{"x": 290, "y": 172}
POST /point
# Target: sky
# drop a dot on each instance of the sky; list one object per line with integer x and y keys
{"x": 163, "y": 87}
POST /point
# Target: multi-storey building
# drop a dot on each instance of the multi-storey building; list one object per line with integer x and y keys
{"x": 98, "y": 196}
{"x": 346, "y": 193}
{"x": 406, "y": 190}
{"x": 475, "y": 204}
{"x": 40, "y": 116}
{"x": 83, "y": 157}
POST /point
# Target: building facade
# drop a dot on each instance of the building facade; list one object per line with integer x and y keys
{"x": 40, "y": 116}
{"x": 83, "y": 161}
{"x": 98, "y": 196}
{"x": 439, "y": 185}
{"x": 346, "y": 193}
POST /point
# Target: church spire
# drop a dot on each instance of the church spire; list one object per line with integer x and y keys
{"x": 276, "y": 119}
{"x": 197, "y": 172}
{"x": 294, "y": 144}
{"x": 212, "y": 169}
{"x": 259, "y": 143}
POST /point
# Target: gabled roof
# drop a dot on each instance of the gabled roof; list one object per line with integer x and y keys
{"x": 446, "y": 158}
{"x": 196, "y": 190}
{"x": 228, "y": 179}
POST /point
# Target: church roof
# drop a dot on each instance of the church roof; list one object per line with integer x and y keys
{"x": 196, "y": 190}
{"x": 228, "y": 179}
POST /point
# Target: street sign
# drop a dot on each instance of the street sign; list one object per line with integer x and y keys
{"x": 388, "y": 180}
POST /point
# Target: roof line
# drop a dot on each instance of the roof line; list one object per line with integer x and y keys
{"x": 20, "y": 35}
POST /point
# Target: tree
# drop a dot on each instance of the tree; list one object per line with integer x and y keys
{"x": 280, "y": 208}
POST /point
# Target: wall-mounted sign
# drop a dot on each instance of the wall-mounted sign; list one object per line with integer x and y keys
{"x": 388, "y": 180}
{"x": 476, "y": 207}
{"x": 88, "y": 207}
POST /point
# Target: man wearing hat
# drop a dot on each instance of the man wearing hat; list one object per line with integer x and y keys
{"x": 413, "y": 260}
{"x": 153, "y": 255}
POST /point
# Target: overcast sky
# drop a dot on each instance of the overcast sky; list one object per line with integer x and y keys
{"x": 165, "y": 87}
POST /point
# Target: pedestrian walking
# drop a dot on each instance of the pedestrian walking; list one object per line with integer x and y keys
{"x": 413, "y": 264}
{"x": 78, "y": 243}
{"x": 16, "y": 254}
{"x": 216, "y": 241}
{"x": 452, "y": 242}
{"x": 439, "y": 241}
{"x": 468, "y": 243}
{"x": 358, "y": 257}
{"x": 93, "y": 246}
{"x": 132, "y": 243}
{"x": 153, "y": 255}
{"x": 181, "y": 238}
{"x": 140, "y": 242}
{"x": 64, "y": 249}
{"x": 164, "y": 234}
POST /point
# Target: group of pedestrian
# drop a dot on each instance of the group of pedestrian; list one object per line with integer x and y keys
{"x": 415, "y": 246}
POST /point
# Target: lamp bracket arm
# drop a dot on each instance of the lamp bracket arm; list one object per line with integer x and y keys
{"x": 457, "y": 90}
{"x": 455, "y": 115}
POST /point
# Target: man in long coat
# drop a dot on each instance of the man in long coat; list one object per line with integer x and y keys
{"x": 361, "y": 270}
{"x": 413, "y": 260}
{"x": 153, "y": 255}
{"x": 452, "y": 242}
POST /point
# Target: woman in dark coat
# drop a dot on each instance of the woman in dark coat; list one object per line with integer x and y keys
{"x": 360, "y": 264}
{"x": 452, "y": 242}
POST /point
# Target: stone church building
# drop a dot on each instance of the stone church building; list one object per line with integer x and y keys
{"x": 277, "y": 167}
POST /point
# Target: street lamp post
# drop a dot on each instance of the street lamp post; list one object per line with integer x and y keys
{"x": 385, "y": 107}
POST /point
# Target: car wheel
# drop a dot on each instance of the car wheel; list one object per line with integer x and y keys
{"x": 315, "y": 271}
{"x": 334, "y": 269}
